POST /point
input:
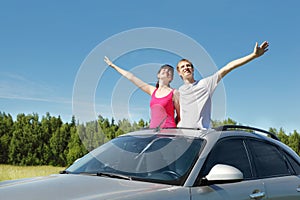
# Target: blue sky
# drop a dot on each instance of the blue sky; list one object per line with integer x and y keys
{"x": 44, "y": 44}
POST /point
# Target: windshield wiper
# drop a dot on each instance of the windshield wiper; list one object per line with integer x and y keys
{"x": 157, "y": 129}
{"x": 113, "y": 175}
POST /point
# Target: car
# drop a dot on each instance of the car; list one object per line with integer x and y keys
{"x": 228, "y": 162}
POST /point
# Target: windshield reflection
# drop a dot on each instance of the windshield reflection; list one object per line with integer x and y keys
{"x": 155, "y": 158}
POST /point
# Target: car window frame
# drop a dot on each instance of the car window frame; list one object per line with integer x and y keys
{"x": 279, "y": 149}
{"x": 290, "y": 158}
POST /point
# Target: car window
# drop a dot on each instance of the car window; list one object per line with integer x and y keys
{"x": 268, "y": 160}
{"x": 230, "y": 152}
{"x": 295, "y": 165}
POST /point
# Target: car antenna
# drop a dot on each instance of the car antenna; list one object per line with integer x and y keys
{"x": 160, "y": 124}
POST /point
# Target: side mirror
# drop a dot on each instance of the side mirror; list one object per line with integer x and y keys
{"x": 224, "y": 173}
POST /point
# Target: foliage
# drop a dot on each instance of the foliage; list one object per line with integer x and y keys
{"x": 228, "y": 121}
{"x": 6, "y": 130}
{"x": 49, "y": 141}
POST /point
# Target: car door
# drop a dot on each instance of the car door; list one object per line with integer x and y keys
{"x": 278, "y": 170}
{"x": 283, "y": 188}
{"x": 251, "y": 189}
{"x": 229, "y": 151}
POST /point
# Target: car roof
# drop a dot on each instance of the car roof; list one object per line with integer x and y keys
{"x": 222, "y": 131}
{"x": 186, "y": 132}
{"x": 214, "y": 134}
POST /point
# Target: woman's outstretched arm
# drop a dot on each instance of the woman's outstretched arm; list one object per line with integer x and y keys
{"x": 149, "y": 89}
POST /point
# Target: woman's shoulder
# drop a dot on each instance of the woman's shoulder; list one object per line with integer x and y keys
{"x": 176, "y": 93}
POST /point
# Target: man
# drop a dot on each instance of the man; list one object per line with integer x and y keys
{"x": 195, "y": 96}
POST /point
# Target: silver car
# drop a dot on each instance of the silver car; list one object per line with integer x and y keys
{"x": 156, "y": 164}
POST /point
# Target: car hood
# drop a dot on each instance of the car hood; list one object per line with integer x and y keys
{"x": 68, "y": 186}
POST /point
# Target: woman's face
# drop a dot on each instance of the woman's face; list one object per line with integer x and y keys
{"x": 166, "y": 73}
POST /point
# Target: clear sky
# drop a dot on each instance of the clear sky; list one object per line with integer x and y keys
{"x": 45, "y": 44}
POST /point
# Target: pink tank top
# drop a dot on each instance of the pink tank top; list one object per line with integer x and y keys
{"x": 162, "y": 111}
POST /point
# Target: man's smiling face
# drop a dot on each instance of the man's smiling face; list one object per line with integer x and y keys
{"x": 185, "y": 70}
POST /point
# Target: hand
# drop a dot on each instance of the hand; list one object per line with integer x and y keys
{"x": 260, "y": 50}
{"x": 106, "y": 59}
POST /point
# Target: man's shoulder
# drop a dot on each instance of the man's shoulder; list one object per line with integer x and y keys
{"x": 210, "y": 79}
{"x": 187, "y": 86}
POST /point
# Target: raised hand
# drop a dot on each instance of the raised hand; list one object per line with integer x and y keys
{"x": 108, "y": 62}
{"x": 260, "y": 50}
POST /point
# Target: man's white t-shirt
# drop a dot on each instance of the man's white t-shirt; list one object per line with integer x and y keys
{"x": 195, "y": 102}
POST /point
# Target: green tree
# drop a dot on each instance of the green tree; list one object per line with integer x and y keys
{"x": 59, "y": 142}
{"x": 76, "y": 148}
{"x": 125, "y": 126}
{"x": 92, "y": 139}
{"x": 229, "y": 121}
{"x": 105, "y": 130}
{"x": 281, "y": 135}
{"x": 294, "y": 142}
{"x": 25, "y": 140}
{"x": 6, "y": 131}
{"x": 47, "y": 129}
{"x": 141, "y": 123}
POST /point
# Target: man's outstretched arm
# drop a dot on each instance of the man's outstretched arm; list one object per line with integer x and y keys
{"x": 257, "y": 52}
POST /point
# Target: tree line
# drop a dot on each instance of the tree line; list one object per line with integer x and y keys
{"x": 29, "y": 140}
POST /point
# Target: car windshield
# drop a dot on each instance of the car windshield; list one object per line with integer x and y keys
{"x": 156, "y": 158}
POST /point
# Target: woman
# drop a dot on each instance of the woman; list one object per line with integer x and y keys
{"x": 164, "y": 99}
